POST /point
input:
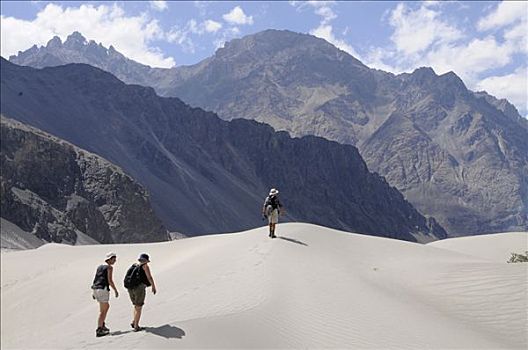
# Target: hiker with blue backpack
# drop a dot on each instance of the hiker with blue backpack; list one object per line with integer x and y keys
{"x": 271, "y": 210}
{"x": 137, "y": 279}
{"x": 101, "y": 291}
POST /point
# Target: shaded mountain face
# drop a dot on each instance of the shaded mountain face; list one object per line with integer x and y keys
{"x": 207, "y": 175}
{"x": 58, "y": 192}
{"x": 459, "y": 156}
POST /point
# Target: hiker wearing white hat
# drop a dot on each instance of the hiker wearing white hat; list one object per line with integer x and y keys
{"x": 271, "y": 210}
{"x": 101, "y": 291}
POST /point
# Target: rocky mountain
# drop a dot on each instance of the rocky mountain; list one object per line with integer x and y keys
{"x": 61, "y": 193}
{"x": 206, "y": 175}
{"x": 76, "y": 49}
{"x": 457, "y": 155}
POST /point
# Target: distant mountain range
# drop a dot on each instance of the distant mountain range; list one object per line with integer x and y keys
{"x": 61, "y": 193}
{"x": 457, "y": 155}
{"x": 206, "y": 175}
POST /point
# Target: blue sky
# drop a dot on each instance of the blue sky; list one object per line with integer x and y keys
{"x": 485, "y": 43}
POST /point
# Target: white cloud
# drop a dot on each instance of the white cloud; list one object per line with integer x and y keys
{"x": 513, "y": 87}
{"x": 416, "y": 31}
{"x": 422, "y": 38}
{"x": 159, "y": 5}
{"x": 183, "y": 35}
{"x": 131, "y": 35}
{"x": 237, "y": 16}
{"x": 517, "y": 37}
{"x": 325, "y": 30}
{"x": 212, "y": 26}
{"x": 327, "y": 14}
{"x": 470, "y": 59}
{"x": 506, "y": 12}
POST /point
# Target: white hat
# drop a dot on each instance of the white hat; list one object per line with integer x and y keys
{"x": 110, "y": 255}
{"x": 273, "y": 192}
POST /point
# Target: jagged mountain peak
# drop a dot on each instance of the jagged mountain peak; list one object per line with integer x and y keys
{"x": 426, "y": 78}
{"x": 75, "y": 37}
{"x": 55, "y": 42}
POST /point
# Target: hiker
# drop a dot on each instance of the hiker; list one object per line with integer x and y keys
{"x": 101, "y": 291}
{"x": 137, "y": 279}
{"x": 271, "y": 210}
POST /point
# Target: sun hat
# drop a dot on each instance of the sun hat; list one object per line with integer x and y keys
{"x": 273, "y": 192}
{"x": 110, "y": 255}
{"x": 144, "y": 257}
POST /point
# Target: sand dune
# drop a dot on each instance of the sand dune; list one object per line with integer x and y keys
{"x": 495, "y": 247}
{"x": 312, "y": 287}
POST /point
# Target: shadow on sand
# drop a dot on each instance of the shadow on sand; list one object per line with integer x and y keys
{"x": 119, "y": 333}
{"x": 292, "y": 240}
{"x": 166, "y": 331}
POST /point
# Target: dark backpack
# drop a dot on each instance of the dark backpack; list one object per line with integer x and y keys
{"x": 272, "y": 201}
{"x": 133, "y": 277}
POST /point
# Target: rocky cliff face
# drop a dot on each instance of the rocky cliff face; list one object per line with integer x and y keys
{"x": 61, "y": 193}
{"x": 207, "y": 175}
{"x": 459, "y": 156}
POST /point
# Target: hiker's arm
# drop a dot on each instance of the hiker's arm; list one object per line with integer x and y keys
{"x": 149, "y": 277}
{"x": 281, "y": 209}
{"x": 111, "y": 280}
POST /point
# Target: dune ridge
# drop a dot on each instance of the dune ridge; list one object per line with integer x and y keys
{"x": 312, "y": 287}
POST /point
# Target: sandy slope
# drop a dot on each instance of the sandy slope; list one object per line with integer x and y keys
{"x": 495, "y": 247}
{"x": 312, "y": 287}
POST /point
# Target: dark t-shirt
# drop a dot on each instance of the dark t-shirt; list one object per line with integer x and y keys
{"x": 143, "y": 275}
{"x": 101, "y": 278}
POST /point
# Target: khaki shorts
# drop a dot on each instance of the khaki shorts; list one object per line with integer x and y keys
{"x": 273, "y": 217}
{"x": 101, "y": 295}
{"x": 137, "y": 295}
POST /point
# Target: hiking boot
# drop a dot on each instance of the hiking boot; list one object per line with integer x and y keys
{"x": 105, "y": 328}
{"x": 138, "y": 329}
{"x": 101, "y": 332}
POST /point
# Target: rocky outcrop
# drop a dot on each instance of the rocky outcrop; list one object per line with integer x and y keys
{"x": 60, "y": 193}
{"x": 207, "y": 175}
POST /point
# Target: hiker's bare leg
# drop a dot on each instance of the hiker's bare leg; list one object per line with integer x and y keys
{"x": 272, "y": 228}
{"x": 103, "y": 310}
{"x": 137, "y": 315}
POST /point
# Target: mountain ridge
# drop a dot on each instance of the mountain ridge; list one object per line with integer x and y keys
{"x": 181, "y": 152}
{"x": 304, "y": 85}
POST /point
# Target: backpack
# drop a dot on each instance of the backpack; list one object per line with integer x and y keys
{"x": 133, "y": 276}
{"x": 272, "y": 203}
